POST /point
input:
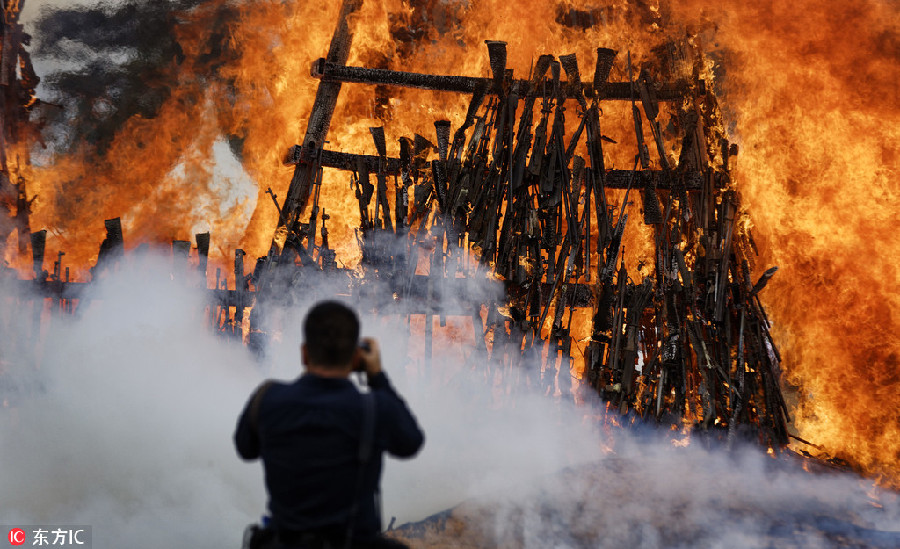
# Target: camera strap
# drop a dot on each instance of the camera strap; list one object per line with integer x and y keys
{"x": 366, "y": 444}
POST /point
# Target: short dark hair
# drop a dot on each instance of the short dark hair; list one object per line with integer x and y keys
{"x": 331, "y": 334}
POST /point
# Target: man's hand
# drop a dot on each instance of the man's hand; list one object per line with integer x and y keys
{"x": 370, "y": 356}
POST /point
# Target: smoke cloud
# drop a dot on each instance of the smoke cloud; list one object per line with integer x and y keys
{"x": 122, "y": 418}
{"x": 649, "y": 493}
{"x": 124, "y": 423}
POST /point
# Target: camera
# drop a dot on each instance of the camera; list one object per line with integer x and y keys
{"x": 361, "y": 364}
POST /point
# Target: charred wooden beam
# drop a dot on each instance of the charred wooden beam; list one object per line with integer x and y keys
{"x": 50, "y": 289}
{"x": 38, "y": 243}
{"x": 615, "y": 179}
{"x": 346, "y": 161}
{"x": 617, "y": 91}
{"x": 320, "y": 116}
{"x": 202, "y": 252}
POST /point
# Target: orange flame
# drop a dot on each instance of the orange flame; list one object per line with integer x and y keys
{"x": 816, "y": 112}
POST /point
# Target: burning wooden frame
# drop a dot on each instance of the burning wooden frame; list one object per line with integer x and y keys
{"x": 691, "y": 340}
{"x": 534, "y": 203}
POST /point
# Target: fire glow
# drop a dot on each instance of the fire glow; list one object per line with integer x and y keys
{"x": 817, "y": 165}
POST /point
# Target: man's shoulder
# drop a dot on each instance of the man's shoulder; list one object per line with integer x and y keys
{"x": 266, "y": 388}
{"x": 275, "y": 388}
{"x": 312, "y": 389}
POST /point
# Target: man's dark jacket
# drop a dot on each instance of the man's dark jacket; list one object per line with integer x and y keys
{"x": 309, "y": 441}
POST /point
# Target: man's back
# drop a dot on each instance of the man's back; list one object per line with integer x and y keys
{"x": 308, "y": 437}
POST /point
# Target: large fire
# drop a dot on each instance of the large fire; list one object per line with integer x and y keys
{"x": 818, "y": 120}
{"x": 808, "y": 92}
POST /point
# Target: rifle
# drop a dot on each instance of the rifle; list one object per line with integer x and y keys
{"x": 314, "y": 214}
{"x": 364, "y": 191}
{"x": 652, "y": 212}
{"x": 401, "y": 202}
{"x": 382, "y": 217}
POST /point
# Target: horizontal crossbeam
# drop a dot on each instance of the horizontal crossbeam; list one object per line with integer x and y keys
{"x": 615, "y": 179}
{"x": 620, "y": 91}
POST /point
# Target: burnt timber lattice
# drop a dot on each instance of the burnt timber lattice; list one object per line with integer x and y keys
{"x": 689, "y": 341}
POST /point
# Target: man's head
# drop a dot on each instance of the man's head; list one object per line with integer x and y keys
{"x": 330, "y": 336}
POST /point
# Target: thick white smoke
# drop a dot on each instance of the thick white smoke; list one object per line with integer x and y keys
{"x": 122, "y": 419}
{"x": 651, "y": 494}
{"x": 124, "y": 422}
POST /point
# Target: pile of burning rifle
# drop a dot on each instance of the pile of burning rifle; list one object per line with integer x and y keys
{"x": 690, "y": 340}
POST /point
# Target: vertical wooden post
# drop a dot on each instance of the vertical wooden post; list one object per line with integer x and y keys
{"x": 202, "y": 254}
{"x": 319, "y": 120}
{"x": 238, "y": 292}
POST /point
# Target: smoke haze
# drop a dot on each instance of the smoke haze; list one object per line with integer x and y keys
{"x": 126, "y": 425}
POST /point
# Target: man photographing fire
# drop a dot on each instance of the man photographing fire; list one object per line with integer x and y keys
{"x": 321, "y": 440}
